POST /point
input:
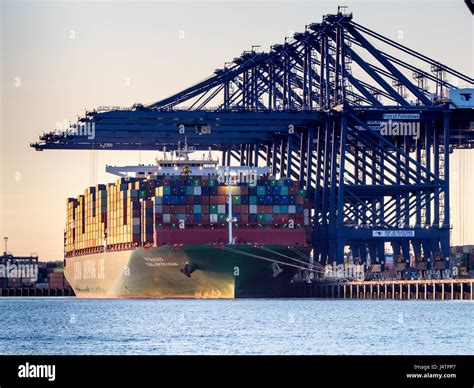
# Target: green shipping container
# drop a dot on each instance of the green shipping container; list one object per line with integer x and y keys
{"x": 284, "y": 209}
{"x": 213, "y": 209}
{"x": 284, "y": 190}
{"x": 260, "y": 190}
{"x": 222, "y": 217}
{"x": 166, "y": 190}
{"x": 252, "y": 200}
{"x": 276, "y": 209}
{"x": 261, "y": 217}
{"x": 236, "y": 199}
{"x": 268, "y": 218}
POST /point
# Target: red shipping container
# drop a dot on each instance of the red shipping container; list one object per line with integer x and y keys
{"x": 205, "y": 209}
{"x": 268, "y": 209}
{"x": 299, "y": 200}
{"x": 181, "y": 209}
{"x": 292, "y": 190}
{"x": 205, "y": 218}
{"x": 236, "y": 209}
{"x": 174, "y": 209}
{"x": 190, "y": 200}
{"x": 299, "y": 218}
{"x": 222, "y": 190}
{"x": 221, "y": 200}
{"x": 244, "y": 209}
{"x": 243, "y": 235}
{"x": 205, "y": 201}
{"x": 166, "y": 209}
{"x": 174, "y": 218}
{"x": 244, "y": 190}
{"x": 244, "y": 218}
{"x": 189, "y": 209}
{"x": 214, "y": 200}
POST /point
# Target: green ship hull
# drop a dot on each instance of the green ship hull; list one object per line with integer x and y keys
{"x": 189, "y": 271}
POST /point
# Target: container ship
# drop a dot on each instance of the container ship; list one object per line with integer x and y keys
{"x": 187, "y": 228}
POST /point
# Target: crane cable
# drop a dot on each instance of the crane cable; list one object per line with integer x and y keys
{"x": 315, "y": 263}
{"x": 286, "y": 257}
{"x": 267, "y": 259}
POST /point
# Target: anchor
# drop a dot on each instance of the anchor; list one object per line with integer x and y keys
{"x": 188, "y": 269}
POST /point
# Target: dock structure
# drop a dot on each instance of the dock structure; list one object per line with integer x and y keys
{"x": 366, "y": 124}
{"x": 441, "y": 289}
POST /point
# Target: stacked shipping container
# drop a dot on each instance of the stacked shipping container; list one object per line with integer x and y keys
{"x": 132, "y": 210}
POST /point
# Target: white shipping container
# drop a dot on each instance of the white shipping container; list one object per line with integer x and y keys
{"x": 253, "y": 209}
{"x": 291, "y": 209}
{"x": 221, "y": 209}
{"x": 167, "y": 218}
{"x": 197, "y": 190}
{"x": 213, "y": 217}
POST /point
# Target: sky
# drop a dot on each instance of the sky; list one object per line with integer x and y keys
{"x": 60, "y": 58}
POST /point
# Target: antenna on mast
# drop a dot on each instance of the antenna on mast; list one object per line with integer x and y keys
{"x": 186, "y": 152}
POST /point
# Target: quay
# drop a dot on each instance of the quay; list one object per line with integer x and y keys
{"x": 440, "y": 289}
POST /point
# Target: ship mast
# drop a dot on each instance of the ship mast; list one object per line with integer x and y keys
{"x": 230, "y": 210}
